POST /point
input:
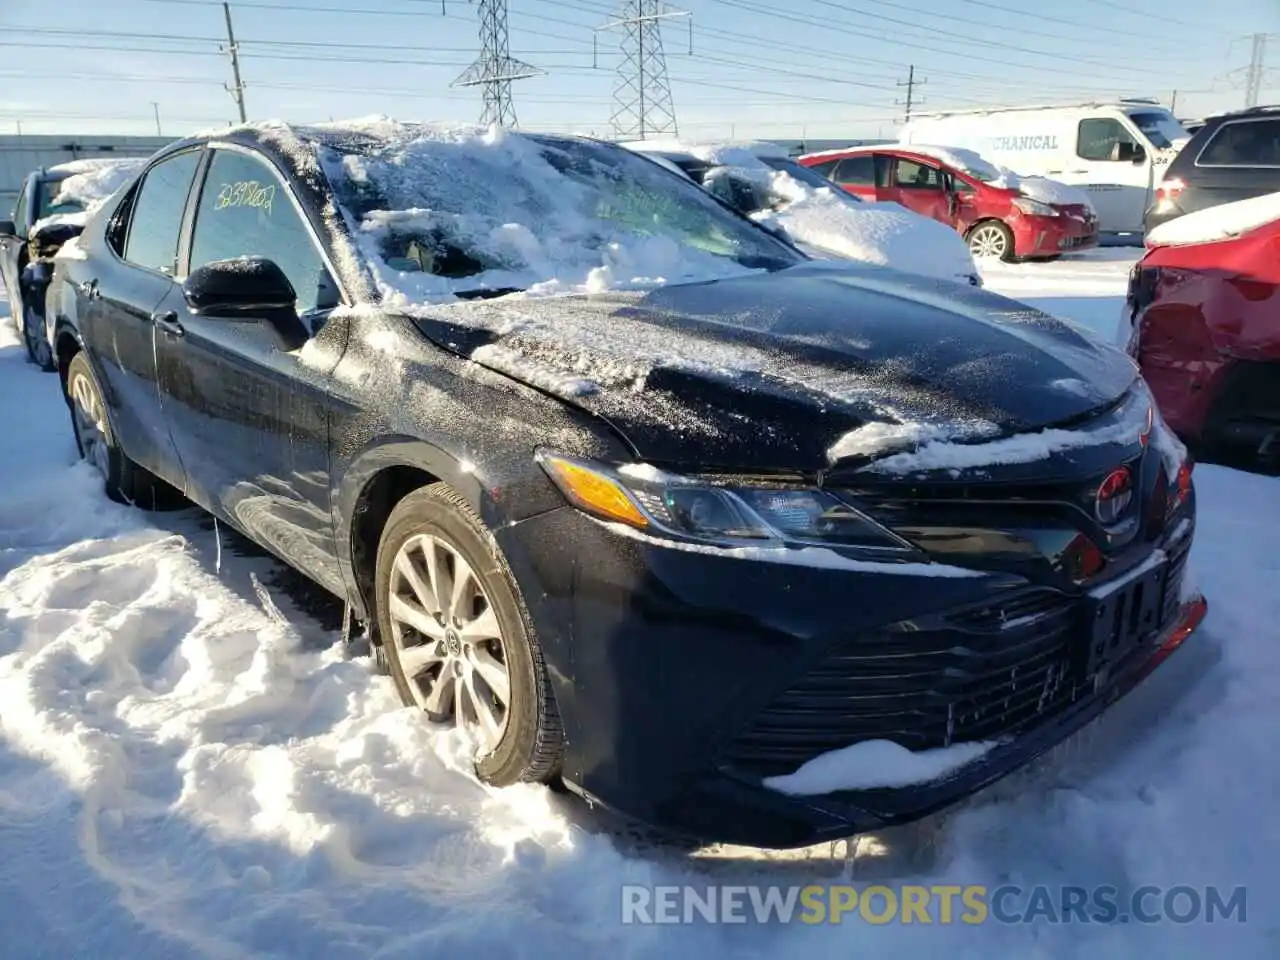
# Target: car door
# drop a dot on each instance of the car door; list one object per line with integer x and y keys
{"x": 249, "y": 411}
{"x": 1240, "y": 161}
{"x": 921, "y": 188}
{"x": 119, "y": 292}
{"x": 11, "y": 249}
{"x": 1113, "y": 167}
{"x": 963, "y": 200}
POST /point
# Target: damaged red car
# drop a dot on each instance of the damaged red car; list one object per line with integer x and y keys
{"x": 1202, "y": 319}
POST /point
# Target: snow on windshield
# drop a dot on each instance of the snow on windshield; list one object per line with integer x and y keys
{"x": 439, "y": 212}
{"x": 822, "y": 218}
{"x": 88, "y": 185}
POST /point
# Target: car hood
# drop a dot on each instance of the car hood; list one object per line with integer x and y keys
{"x": 769, "y": 370}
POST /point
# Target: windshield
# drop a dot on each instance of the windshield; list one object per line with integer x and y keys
{"x": 1160, "y": 127}
{"x": 452, "y": 214}
{"x": 46, "y": 191}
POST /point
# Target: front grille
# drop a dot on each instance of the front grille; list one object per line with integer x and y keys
{"x": 984, "y": 672}
{"x": 978, "y": 674}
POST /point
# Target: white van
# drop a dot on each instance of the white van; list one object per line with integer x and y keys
{"x": 1117, "y": 152}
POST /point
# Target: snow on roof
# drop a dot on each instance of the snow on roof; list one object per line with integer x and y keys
{"x": 1217, "y": 223}
{"x": 93, "y": 164}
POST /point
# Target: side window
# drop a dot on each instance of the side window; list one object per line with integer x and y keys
{"x": 156, "y": 219}
{"x": 1103, "y": 139}
{"x": 1253, "y": 143}
{"x": 244, "y": 211}
{"x": 857, "y": 171}
{"x": 825, "y": 168}
{"x": 917, "y": 176}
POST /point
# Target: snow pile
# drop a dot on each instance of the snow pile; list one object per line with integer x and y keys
{"x": 1123, "y": 426}
{"x": 876, "y": 438}
{"x": 877, "y": 763}
{"x": 1217, "y": 223}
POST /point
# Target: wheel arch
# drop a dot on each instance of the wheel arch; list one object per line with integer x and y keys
{"x": 377, "y": 479}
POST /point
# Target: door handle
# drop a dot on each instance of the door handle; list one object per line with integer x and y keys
{"x": 89, "y": 288}
{"x": 167, "y": 322}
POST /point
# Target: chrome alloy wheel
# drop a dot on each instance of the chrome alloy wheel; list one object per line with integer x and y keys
{"x": 447, "y": 639}
{"x": 90, "y": 419}
{"x": 988, "y": 241}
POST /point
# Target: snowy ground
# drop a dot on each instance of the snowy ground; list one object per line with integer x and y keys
{"x": 190, "y": 767}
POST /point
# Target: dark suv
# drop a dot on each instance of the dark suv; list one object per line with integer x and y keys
{"x": 1234, "y": 156}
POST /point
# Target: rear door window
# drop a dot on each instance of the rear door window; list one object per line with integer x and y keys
{"x": 856, "y": 171}
{"x": 1243, "y": 143}
{"x": 158, "y": 208}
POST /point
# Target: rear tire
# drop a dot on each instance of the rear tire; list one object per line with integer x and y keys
{"x": 990, "y": 240}
{"x": 457, "y": 640}
{"x": 123, "y": 480}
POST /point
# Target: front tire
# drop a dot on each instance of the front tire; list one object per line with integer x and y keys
{"x": 33, "y": 335}
{"x": 457, "y": 640}
{"x": 991, "y": 239}
{"x": 123, "y": 480}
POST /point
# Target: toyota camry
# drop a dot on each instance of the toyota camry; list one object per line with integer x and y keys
{"x": 748, "y": 546}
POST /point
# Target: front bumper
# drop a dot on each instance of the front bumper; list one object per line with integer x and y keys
{"x": 1049, "y": 236}
{"x": 686, "y": 678}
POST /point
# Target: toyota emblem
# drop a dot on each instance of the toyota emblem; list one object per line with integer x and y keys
{"x": 1115, "y": 493}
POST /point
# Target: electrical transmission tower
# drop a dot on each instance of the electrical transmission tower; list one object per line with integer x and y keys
{"x": 1253, "y": 79}
{"x": 912, "y": 101}
{"x": 496, "y": 68}
{"x": 642, "y": 104}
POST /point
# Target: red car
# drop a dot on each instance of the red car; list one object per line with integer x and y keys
{"x": 998, "y": 213}
{"x": 1204, "y": 325}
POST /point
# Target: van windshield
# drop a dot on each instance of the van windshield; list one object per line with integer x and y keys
{"x": 1159, "y": 127}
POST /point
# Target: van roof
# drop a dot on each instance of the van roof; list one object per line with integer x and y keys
{"x": 1122, "y": 103}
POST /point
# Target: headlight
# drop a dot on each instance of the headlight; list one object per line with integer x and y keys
{"x": 1034, "y": 207}
{"x": 731, "y": 514}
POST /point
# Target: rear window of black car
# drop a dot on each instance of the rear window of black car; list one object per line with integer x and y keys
{"x": 1243, "y": 143}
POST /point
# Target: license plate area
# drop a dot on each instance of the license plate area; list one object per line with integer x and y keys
{"x": 1123, "y": 614}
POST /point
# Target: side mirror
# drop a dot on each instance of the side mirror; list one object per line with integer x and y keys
{"x": 7, "y": 229}
{"x": 248, "y": 289}
{"x": 243, "y": 288}
{"x": 1139, "y": 155}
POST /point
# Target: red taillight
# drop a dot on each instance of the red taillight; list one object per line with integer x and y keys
{"x": 1169, "y": 189}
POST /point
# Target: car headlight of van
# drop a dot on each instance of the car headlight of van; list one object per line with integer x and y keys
{"x": 728, "y": 515}
{"x": 1034, "y": 207}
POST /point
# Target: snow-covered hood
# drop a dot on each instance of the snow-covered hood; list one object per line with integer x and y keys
{"x": 88, "y": 184}
{"x": 770, "y": 370}
{"x": 1217, "y": 223}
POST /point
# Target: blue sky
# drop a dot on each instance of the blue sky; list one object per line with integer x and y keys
{"x": 768, "y": 68}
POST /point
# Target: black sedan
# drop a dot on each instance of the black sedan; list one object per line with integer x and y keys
{"x": 624, "y": 485}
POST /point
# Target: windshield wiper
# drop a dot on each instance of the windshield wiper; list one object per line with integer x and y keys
{"x": 486, "y": 293}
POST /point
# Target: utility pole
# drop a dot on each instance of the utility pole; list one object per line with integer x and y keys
{"x": 1173, "y": 103}
{"x": 642, "y": 94}
{"x": 910, "y": 83}
{"x": 156, "y": 107}
{"x": 496, "y": 68}
{"x": 1253, "y": 81}
{"x": 233, "y": 50}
